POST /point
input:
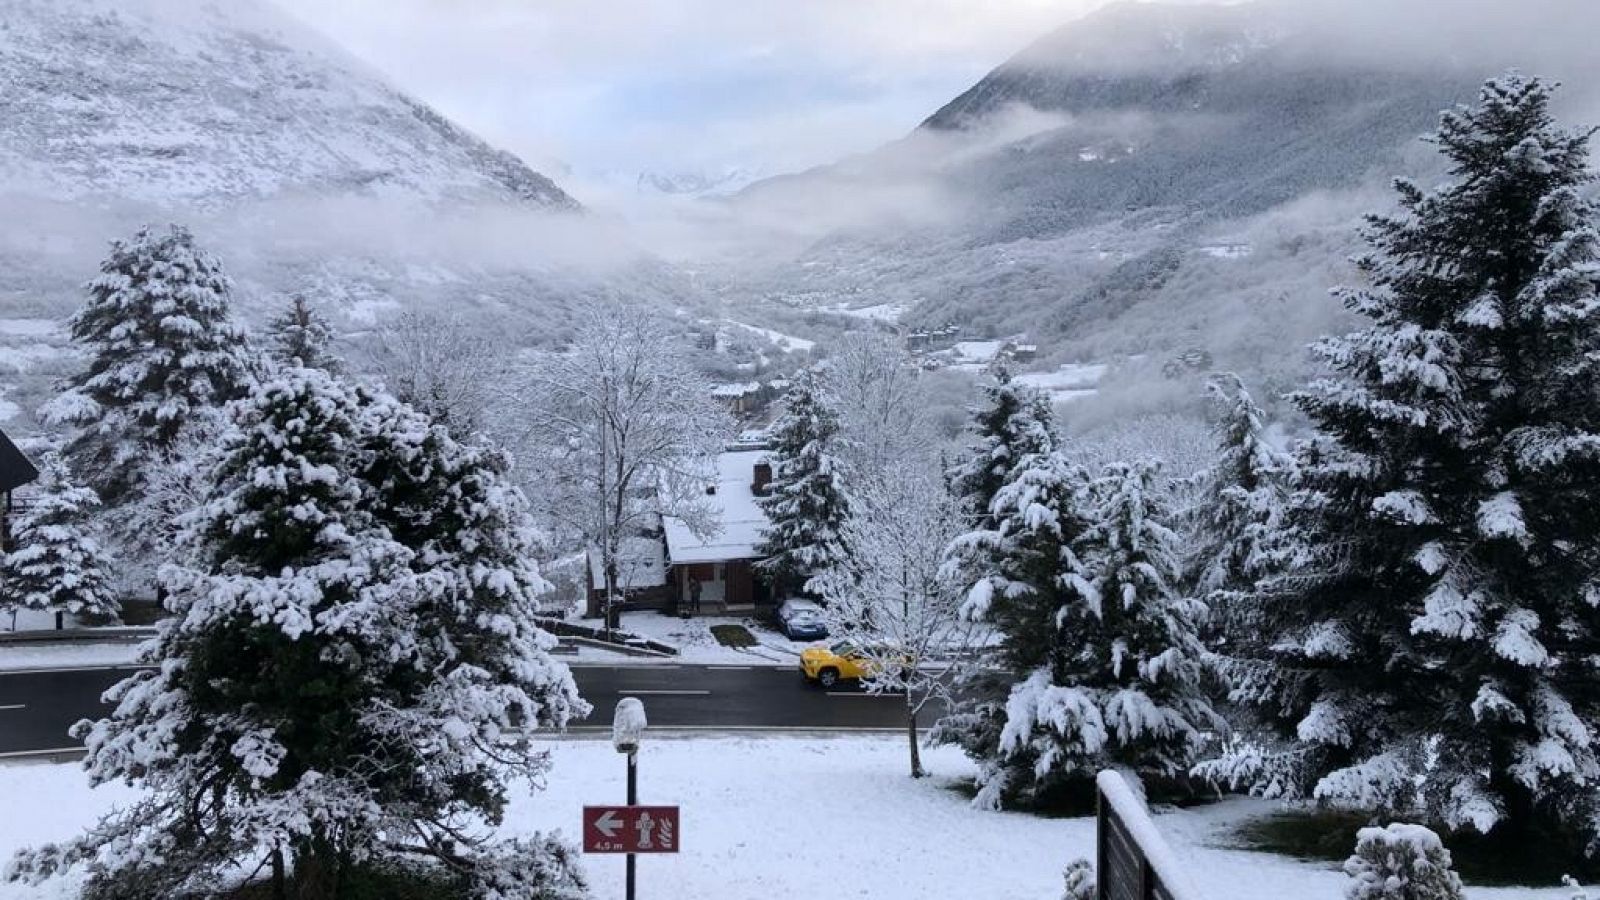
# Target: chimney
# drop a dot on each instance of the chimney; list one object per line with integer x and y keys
{"x": 762, "y": 478}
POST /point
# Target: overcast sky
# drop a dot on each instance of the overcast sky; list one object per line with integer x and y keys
{"x": 686, "y": 85}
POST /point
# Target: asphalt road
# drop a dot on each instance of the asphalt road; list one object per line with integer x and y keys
{"x": 38, "y": 707}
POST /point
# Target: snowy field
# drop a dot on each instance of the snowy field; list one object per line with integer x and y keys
{"x": 787, "y": 817}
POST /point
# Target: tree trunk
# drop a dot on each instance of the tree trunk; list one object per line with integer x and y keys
{"x": 280, "y": 883}
{"x": 316, "y": 871}
{"x": 911, "y": 736}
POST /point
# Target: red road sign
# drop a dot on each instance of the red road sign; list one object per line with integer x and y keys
{"x": 630, "y": 829}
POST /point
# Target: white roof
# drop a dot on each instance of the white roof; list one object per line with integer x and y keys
{"x": 982, "y": 351}
{"x": 736, "y": 389}
{"x": 734, "y": 509}
{"x": 641, "y": 564}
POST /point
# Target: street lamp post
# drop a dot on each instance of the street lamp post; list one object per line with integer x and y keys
{"x": 627, "y": 729}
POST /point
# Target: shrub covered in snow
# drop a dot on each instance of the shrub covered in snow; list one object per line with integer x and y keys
{"x": 1079, "y": 878}
{"x": 1401, "y": 862}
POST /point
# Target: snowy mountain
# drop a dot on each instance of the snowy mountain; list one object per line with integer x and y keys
{"x": 301, "y": 168}
{"x": 178, "y": 102}
{"x": 1154, "y": 179}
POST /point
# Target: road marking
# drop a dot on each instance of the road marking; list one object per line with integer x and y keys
{"x": 7, "y": 706}
{"x": 730, "y": 668}
{"x": 669, "y": 693}
{"x": 18, "y": 754}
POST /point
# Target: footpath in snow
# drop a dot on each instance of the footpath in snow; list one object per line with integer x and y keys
{"x": 766, "y": 818}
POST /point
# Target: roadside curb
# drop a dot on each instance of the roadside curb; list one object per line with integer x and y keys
{"x": 121, "y": 635}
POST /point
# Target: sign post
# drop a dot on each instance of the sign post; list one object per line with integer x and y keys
{"x": 630, "y": 829}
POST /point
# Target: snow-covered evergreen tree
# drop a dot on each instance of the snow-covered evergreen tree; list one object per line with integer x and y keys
{"x": 162, "y": 351}
{"x": 1234, "y": 505}
{"x": 1103, "y": 654}
{"x": 347, "y": 679}
{"x": 300, "y": 334}
{"x": 54, "y": 562}
{"x": 807, "y": 502}
{"x": 1433, "y": 631}
{"x": 1027, "y": 573}
{"x": 1401, "y": 862}
{"x": 1014, "y": 423}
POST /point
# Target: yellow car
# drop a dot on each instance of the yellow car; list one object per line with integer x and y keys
{"x": 828, "y": 665}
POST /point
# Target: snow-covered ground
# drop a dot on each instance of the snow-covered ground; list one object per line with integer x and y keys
{"x": 883, "y": 312}
{"x": 1069, "y": 382}
{"x": 776, "y": 817}
{"x": 785, "y": 341}
{"x": 66, "y": 656}
{"x": 697, "y": 644}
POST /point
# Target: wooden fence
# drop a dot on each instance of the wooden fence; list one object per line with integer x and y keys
{"x": 1132, "y": 861}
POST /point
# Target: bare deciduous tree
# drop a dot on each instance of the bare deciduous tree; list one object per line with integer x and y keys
{"x": 443, "y": 366}
{"x": 622, "y": 429}
{"x": 889, "y": 598}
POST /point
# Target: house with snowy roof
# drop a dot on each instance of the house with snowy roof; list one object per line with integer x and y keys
{"x": 655, "y": 569}
{"x": 723, "y": 560}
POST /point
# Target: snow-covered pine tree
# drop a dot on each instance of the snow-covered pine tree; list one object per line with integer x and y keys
{"x": 1434, "y": 630}
{"x": 1015, "y": 422}
{"x": 162, "y": 351}
{"x": 1233, "y": 507}
{"x": 807, "y": 502}
{"x": 54, "y": 563}
{"x": 1025, "y": 575}
{"x": 344, "y": 682}
{"x": 1103, "y": 655}
{"x": 1137, "y": 648}
{"x": 1012, "y": 430}
{"x": 299, "y": 333}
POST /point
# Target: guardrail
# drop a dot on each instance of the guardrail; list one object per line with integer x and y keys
{"x": 1132, "y": 860}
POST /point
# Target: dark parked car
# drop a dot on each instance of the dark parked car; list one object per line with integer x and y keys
{"x": 802, "y": 620}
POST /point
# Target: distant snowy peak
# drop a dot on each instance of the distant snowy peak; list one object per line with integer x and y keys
{"x": 692, "y": 183}
{"x": 207, "y": 101}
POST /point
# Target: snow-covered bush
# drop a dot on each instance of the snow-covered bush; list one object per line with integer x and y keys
{"x": 1401, "y": 862}
{"x": 1079, "y": 878}
{"x": 350, "y": 673}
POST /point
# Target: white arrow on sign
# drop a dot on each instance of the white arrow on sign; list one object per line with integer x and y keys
{"x": 608, "y": 823}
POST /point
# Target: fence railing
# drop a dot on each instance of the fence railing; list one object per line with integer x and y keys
{"x": 1132, "y": 860}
